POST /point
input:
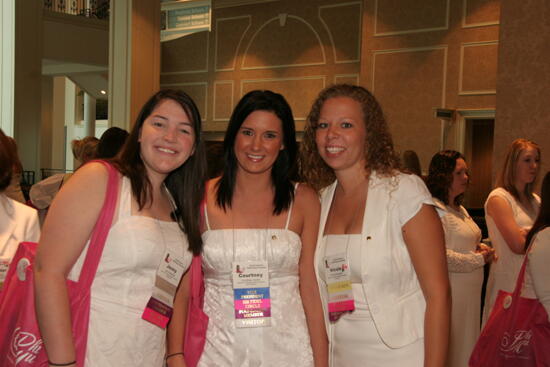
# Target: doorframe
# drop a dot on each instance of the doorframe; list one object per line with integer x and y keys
{"x": 459, "y": 127}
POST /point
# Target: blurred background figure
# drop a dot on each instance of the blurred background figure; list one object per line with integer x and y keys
{"x": 510, "y": 211}
{"x": 411, "y": 163}
{"x": 13, "y": 191}
{"x": 538, "y": 270}
{"x": 42, "y": 193}
{"x": 18, "y": 222}
{"x": 447, "y": 181}
{"x": 111, "y": 142}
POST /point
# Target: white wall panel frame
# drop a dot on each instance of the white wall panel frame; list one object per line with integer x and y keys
{"x": 346, "y": 76}
{"x": 360, "y": 15}
{"x": 203, "y": 70}
{"x": 461, "y": 90}
{"x": 205, "y": 84}
{"x": 409, "y": 31}
{"x": 218, "y": 82}
{"x": 473, "y": 25}
{"x": 249, "y": 17}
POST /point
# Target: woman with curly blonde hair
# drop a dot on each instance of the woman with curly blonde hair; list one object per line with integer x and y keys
{"x": 380, "y": 258}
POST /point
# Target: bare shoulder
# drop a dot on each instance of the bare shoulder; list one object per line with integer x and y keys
{"x": 306, "y": 197}
{"x": 89, "y": 183}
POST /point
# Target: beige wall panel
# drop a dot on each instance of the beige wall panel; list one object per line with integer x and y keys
{"x": 346, "y": 79}
{"x": 480, "y": 12}
{"x": 404, "y": 16}
{"x": 343, "y": 23}
{"x": 409, "y": 84}
{"x": 478, "y": 74}
{"x": 188, "y": 54}
{"x": 229, "y": 35}
{"x": 299, "y": 92}
{"x": 223, "y": 100}
{"x": 276, "y": 45}
{"x": 197, "y": 91}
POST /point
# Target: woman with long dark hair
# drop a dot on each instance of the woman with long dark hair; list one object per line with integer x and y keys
{"x": 380, "y": 257}
{"x": 161, "y": 170}
{"x": 259, "y": 238}
{"x": 447, "y": 181}
{"x": 510, "y": 211}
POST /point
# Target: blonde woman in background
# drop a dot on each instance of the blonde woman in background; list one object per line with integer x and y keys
{"x": 510, "y": 211}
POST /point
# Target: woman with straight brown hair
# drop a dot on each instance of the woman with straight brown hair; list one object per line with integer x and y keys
{"x": 510, "y": 211}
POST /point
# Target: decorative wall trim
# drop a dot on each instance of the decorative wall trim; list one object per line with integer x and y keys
{"x": 220, "y": 4}
{"x": 217, "y": 82}
{"x": 289, "y": 65}
{"x": 409, "y": 31}
{"x": 238, "y": 44}
{"x": 473, "y": 25}
{"x": 356, "y": 76}
{"x": 415, "y": 49}
{"x": 205, "y": 84}
{"x": 313, "y": 77}
{"x": 203, "y": 70}
{"x": 459, "y": 127}
{"x": 461, "y": 91}
{"x": 360, "y": 15}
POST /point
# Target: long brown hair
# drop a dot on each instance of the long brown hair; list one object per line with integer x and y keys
{"x": 186, "y": 183}
{"x": 508, "y": 173}
{"x": 379, "y": 152}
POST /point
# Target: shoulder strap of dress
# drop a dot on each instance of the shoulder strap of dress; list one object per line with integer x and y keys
{"x": 291, "y": 205}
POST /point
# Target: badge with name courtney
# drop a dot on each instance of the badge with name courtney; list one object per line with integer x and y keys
{"x": 159, "y": 308}
{"x": 251, "y": 294}
{"x": 340, "y": 293}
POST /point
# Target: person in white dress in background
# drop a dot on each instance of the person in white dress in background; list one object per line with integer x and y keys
{"x": 447, "y": 181}
{"x": 254, "y": 214}
{"x": 510, "y": 211}
{"x": 162, "y": 171}
{"x": 380, "y": 232}
{"x": 18, "y": 222}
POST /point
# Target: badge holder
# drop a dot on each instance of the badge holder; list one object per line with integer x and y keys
{"x": 251, "y": 294}
{"x": 340, "y": 292}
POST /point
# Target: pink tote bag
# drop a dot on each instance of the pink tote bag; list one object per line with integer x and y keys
{"x": 517, "y": 333}
{"x": 20, "y": 340}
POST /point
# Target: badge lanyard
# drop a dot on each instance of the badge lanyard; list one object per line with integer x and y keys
{"x": 160, "y": 306}
{"x": 338, "y": 279}
{"x": 252, "y": 300}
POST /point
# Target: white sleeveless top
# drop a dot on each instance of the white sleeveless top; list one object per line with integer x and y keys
{"x": 286, "y": 341}
{"x": 124, "y": 282}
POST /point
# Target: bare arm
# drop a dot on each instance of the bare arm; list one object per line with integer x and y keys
{"x": 503, "y": 217}
{"x": 68, "y": 226}
{"x": 176, "y": 328}
{"x": 424, "y": 237}
{"x": 308, "y": 204}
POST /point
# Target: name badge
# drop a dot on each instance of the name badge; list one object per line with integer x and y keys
{"x": 340, "y": 293}
{"x": 251, "y": 294}
{"x": 4, "y": 265}
{"x": 160, "y": 306}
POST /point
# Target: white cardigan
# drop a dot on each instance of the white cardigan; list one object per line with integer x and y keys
{"x": 18, "y": 223}
{"x": 391, "y": 286}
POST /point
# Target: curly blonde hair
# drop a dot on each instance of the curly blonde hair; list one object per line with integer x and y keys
{"x": 379, "y": 153}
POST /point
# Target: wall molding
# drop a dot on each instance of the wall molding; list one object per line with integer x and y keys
{"x": 249, "y": 17}
{"x": 415, "y": 49}
{"x": 356, "y": 76}
{"x": 203, "y": 70}
{"x": 360, "y": 14}
{"x": 217, "y": 82}
{"x": 473, "y": 25}
{"x": 220, "y": 4}
{"x": 461, "y": 91}
{"x": 286, "y": 65}
{"x": 409, "y": 31}
{"x": 205, "y": 84}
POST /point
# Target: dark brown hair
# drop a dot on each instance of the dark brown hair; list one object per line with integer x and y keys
{"x": 379, "y": 152}
{"x": 6, "y": 161}
{"x": 186, "y": 183}
{"x": 440, "y": 176}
